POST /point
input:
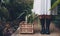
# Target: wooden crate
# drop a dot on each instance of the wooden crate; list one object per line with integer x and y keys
{"x": 26, "y": 28}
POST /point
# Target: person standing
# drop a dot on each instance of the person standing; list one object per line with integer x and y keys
{"x": 41, "y": 8}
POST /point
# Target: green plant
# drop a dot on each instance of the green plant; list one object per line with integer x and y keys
{"x": 55, "y": 4}
{"x": 56, "y": 18}
{"x": 32, "y": 17}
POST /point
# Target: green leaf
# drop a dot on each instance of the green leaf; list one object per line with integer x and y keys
{"x": 55, "y": 4}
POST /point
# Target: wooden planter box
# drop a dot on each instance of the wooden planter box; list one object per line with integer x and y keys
{"x": 26, "y": 28}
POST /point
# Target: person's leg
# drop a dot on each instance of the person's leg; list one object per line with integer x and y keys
{"x": 42, "y": 20}
{"x": 48, "y": 20}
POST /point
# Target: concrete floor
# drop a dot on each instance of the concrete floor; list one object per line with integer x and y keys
{"x": 55, "y": 33}
{"x": 37, "y": 34}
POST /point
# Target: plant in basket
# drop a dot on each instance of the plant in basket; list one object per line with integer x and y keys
{"x": 27, "y": 25}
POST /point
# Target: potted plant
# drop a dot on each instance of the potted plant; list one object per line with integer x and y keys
{"x": 27, "y": 25}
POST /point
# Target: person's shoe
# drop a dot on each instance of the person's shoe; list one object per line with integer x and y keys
{"x": 47, "y": 31}
{"x": 43, "y": 31}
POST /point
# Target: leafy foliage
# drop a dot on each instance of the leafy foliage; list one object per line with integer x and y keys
{"x": 55, "y": 4}
{"x": 16, "y": 7}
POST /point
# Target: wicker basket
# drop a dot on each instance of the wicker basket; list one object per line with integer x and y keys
{"x": 26, "y": 28}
